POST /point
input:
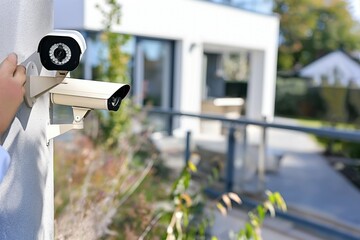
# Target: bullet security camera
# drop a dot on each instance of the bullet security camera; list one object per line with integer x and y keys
{"x": 61, "y": 50}
{"x": 83, "y": 96}
{"x": 89, "y": 94}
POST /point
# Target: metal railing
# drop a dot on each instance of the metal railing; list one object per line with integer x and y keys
{"x": 332, "y": 133}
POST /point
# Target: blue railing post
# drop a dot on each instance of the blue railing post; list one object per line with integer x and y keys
{"x": 230, "y": 160}
{"x": 187, "y": 147}
{"x": 244, "y": 156}
{"x": 169, "y": 125}
{"x": 262, "y": 159}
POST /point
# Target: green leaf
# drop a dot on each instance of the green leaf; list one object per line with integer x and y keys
{"x": 280, "y": 202}
{"x": 187, "y": 178}
{"x": 254, "y": 220}
{"x": 215, "y": 173}
{"x": 271, "y": 197}
{"x": 221, "y": 208}
{"x": 261, "y": 212}
{"x": 249, "y": 231}
{"x": 192, "y": 166}
{"x": 186, "y": 219}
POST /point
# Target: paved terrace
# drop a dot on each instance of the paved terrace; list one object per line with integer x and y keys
{"x": 296, "y": 168}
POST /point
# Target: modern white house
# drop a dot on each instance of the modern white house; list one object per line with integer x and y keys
{"x": 336, "y": 68}
{"x": 178, "y": 50}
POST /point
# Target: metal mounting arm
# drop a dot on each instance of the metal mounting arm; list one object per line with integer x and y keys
{"x": 36, "y": 85}
{"x": 54, "y": 130}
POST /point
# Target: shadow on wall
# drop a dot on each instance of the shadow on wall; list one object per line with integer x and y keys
{"x": 26, "y": 193}
{"x": 22, "y": 189}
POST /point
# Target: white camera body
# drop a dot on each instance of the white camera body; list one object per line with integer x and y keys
{"x": 89, "y": 94}
{"x": 60, "y": 51}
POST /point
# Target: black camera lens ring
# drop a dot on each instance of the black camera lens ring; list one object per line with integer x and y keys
{"x": 60, "y": 53}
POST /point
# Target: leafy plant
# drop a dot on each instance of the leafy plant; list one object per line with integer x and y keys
{"x": 184, "y": 217}
{"x": 252, "y": 228}
{"x": 90, "y": 187}
{"x": 187, "y": 218}
{"x": 257, "y": 216}
{"x": 113, "y": 69}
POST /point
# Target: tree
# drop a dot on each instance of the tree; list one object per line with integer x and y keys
{"x": 312, "y": 28}
{"x": 113, "y": 69}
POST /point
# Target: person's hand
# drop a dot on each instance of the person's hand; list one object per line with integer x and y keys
{"x": 12, "y": 80}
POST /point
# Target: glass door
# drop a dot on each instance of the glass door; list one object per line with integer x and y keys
{"x": 153, "y": 77}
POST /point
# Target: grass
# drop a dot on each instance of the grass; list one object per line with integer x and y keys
{"x": 320, "y": 123}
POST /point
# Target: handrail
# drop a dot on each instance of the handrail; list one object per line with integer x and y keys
{"x": 353, "y": 135}
{"x": 350, "y": 135}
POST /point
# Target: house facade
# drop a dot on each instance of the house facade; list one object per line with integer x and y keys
{"x": 336, "y": 68}
{"x": 178, "y": 49}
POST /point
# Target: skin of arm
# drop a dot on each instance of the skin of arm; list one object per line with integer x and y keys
{"x": 12, "y": 80}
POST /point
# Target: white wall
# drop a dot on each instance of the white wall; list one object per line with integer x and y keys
{"x": 199, "y": 24}
{"x": 26, "y": 193}
{"x": 68, "y": 14}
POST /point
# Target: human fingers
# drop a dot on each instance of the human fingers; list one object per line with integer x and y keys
{"x": 8, "y": 66}
{"x": 20, "y": 74}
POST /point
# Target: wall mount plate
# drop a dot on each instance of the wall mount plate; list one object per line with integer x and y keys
{"x": 36, "y": 85}
{"x": 31, "y": 70}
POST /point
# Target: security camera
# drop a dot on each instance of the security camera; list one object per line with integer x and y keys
{"x": 89, "y": 94}
{"x": 61, "y": 50}
{"x": 83, "y": 96}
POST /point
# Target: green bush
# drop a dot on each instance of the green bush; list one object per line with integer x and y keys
{"x": 335, "y": 103}
{"x": 295, "y": 99}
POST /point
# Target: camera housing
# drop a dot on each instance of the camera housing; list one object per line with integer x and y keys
{"x": 89, "y": 94}
{"x": 83, "y": 96}
{"x": 61, "y": 50}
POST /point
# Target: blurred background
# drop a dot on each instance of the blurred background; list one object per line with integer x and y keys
{"x": 229, "y": 100}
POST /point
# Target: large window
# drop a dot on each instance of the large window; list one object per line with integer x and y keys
{"x": 226, "y": 74}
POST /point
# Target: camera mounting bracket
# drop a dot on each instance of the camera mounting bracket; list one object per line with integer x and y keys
{"x": 54, "y": 130}
{"x": 36, "y": 85}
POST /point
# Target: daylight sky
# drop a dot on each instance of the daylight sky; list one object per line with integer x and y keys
{"x": 266, "y": 5}
{"x": 355, "y": 8}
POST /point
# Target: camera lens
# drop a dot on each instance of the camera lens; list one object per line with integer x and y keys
{"x": 114, "y": 101}
{"x": 60, "y": 53}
